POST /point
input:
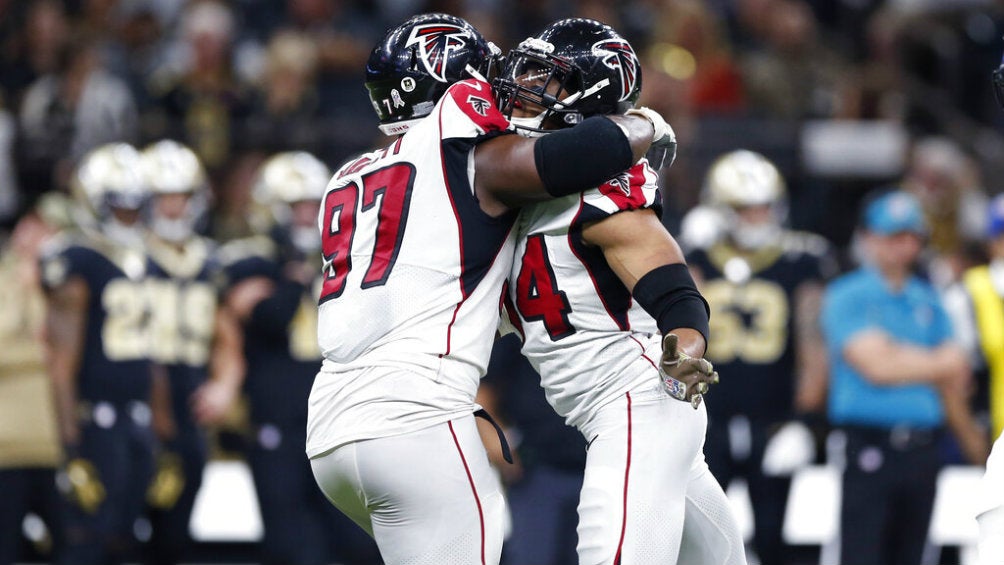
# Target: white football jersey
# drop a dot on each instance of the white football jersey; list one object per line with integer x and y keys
{"x": 581, "y": 330}
{"x": 414, "y": 272}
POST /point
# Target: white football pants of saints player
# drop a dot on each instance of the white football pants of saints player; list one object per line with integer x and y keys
{"x": 428, "y": 498}
{"x": 991, "y": 520}
{"x": 646, "y": 478}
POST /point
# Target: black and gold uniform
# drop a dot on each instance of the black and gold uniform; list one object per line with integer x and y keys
{"x": 184, "y": 284}
{"x": 110, "y": 466}
{"x": 753, "y": 299}
{"x": 280, "y": 345}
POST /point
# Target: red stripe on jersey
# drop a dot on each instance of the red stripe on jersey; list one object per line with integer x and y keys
{"x": 626, "y": 189}
{"x": 585, "y": 266}
{"x": 643, "y": 356}
{"x": 474, "y": 489}
{"x": 460, "y": 240}
{"x": 506, "y": 304}
{"x": 627, "y": 475}
{"x": 474, "y": 98}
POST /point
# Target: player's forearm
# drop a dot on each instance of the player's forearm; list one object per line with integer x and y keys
{"x": 161, "y": 404}
{"x": 227, "y": 364}
{"x": 64, "y": 391}
{"x": 691, "y": 341}
{"x": 971, "y": 438}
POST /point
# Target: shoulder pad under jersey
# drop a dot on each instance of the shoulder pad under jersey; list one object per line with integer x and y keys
{"x": 472, "y": 99}
{"x": 635, "y": 188}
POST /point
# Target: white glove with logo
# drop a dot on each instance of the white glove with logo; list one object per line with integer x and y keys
{"x": 789, "y": 449}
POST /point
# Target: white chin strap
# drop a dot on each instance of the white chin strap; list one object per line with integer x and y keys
{"x": 305, "y": 239}
{"x": 174, "y": 231}
{"x": 755, "y": 237}
{"x": 529, "y": 126}
{"x": 121, "y": 234}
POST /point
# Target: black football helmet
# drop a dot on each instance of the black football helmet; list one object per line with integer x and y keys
{"x": 413, "y": 65}
{"x": 596, "y": 69}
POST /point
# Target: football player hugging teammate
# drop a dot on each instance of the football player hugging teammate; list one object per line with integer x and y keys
{"x": 611, "y": 318}
{"x": 417, "y": 243}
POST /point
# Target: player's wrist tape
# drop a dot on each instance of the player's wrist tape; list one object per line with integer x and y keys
{"x": 582, "y": 157}
{"x": 669, "y": 295}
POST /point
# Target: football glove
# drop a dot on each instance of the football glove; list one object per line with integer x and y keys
{"x": 79, "y": 481}
{"x": 686, "y": 378}
{"x": 664, "y": 136}
{"x": 168, "y": 482}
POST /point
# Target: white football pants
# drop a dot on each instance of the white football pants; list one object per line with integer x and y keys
{"x": 648, "y": 497}
{"x": 427, "y": 497}
{"x": 991, "y": 521}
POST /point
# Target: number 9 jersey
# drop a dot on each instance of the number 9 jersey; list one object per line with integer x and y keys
{"x": 413, "y": 275}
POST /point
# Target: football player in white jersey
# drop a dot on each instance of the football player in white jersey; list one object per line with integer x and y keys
{"x": 597, "y": 283}
{"x": 417, "y": 243}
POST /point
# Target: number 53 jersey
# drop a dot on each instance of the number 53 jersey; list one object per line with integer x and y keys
{"x": 581, "y": 330}
{"x": 413, "y": 278}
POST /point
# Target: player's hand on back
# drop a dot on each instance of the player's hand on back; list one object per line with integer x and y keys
{"x": 686, "y": 378}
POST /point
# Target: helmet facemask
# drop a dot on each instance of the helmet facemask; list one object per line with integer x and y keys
{"x": 574, "y": 69}
{"x": 534, "y": 79}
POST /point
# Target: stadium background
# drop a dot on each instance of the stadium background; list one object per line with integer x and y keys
{"x": 845, "y": 96}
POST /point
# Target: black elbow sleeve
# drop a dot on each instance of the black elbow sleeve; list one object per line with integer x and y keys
{"x": 669, "y": 295}
{"x": 582, "y": 157}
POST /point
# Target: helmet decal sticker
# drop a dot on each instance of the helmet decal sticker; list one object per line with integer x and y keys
{"x": 618, "y": 54}
{"x": 436, "y": 43}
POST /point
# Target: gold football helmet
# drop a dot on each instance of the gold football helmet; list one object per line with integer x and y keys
{"x": 110, "y": 191}
{"x": 743, "y": 180}
{"x": 172, "y": 168}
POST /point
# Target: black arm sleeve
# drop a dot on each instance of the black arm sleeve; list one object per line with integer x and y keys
{"x": 582, "y": 157}
{"x": 669, "y": 295}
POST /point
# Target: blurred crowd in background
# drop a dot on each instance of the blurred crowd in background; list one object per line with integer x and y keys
{"x": 238, "y": 80}
{"x": 844, "y": 97}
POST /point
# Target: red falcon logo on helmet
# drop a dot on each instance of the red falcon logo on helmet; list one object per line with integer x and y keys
{"x": 618, "y": 54}
{"x": 436, "y": 43}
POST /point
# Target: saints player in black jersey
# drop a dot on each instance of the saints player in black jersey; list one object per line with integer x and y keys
{"x": 275, "y": 282}
{"x": 98, "y": 356}
{"x": 764, "y": 284}
{"x": 193, "y": 337}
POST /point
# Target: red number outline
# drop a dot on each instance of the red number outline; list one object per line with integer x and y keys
{"x": 390, "y": 187}
{"x": 538, "y": 297}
